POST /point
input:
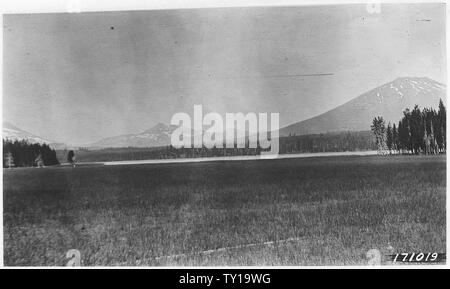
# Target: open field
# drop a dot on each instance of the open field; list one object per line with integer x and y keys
{"x": 331, "y": 209}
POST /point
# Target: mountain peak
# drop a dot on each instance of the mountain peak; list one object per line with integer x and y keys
{"x": 160, "y": 125}
{"x": 388, "y": 100}
{"x": 158, "y": 135}
{"x": 425, "y": 82}
{"x": 159, "y": 128}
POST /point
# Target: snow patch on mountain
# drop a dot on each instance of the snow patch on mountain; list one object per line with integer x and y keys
{"x": 12, "y": 132}
{"x": 388, "y": 100}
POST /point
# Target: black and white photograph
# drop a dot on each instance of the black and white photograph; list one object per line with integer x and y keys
{"x": 296, "y": 135}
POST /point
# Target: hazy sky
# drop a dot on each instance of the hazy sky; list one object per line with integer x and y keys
{"x": 77, "y": 78}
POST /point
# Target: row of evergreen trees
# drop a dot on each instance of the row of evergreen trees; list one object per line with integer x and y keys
{"x": 328, "y": 142}
{"x": 419, "y": 131}
{"x": 24, "y": 154}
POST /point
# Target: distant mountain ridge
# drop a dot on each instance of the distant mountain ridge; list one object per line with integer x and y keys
{"x": 159, "y": 135}
{"x": 388, "y": 101}
{"x": 12, "y": 132}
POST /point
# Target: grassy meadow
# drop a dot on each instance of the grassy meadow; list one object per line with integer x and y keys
{"x": 337, "y": 208}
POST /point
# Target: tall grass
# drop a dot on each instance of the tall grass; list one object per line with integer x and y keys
{"x": 337, "y": 207}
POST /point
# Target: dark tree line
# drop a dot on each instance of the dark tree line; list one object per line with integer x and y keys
{"x": 328, "y": 142}
{"x": 419, "y": 131}
{"x": 166, "y": 152}
{"x": 24, "y": 154}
